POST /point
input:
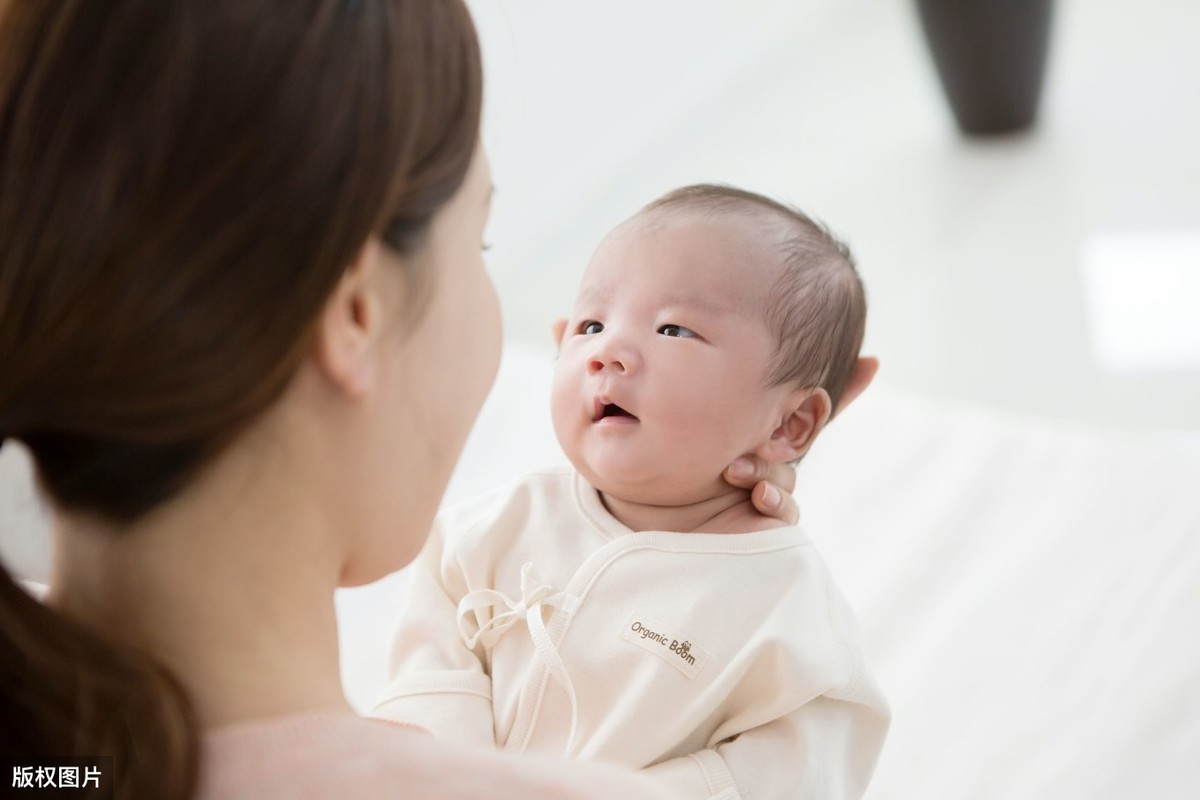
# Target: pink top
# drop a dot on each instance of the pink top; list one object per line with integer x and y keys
{"x": 336, "y": 756}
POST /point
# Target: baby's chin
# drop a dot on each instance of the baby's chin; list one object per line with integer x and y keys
{"x": 654, "y": 487}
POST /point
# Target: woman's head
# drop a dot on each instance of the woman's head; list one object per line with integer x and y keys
{"x": 191, "y": 193}
{"x": 182, "y": 185}
{"x": 382, "y": 409}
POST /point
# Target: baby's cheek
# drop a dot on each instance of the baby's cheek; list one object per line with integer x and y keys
{"x": 702, "y": 427}
{"x": 566, "y": 406}
{"x": 696, "y": 402}
{"x": 715, "y": 420}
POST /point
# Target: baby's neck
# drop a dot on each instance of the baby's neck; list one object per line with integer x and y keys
{"x": 728, "y": 512}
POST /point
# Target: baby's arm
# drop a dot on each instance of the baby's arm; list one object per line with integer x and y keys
{"x": 437, "y": 682}
{"x": 808, "y": 720}
{"x": 825, "y": 749}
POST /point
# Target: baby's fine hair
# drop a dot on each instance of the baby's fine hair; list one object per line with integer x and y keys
{"x": 817, "y": 308}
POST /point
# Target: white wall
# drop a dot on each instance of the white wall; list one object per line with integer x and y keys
{"x": 972, "y": 251}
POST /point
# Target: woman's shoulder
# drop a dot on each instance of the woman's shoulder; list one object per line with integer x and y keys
{"x": 337, "y": 756}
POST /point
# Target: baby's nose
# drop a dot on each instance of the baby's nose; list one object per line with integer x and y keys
{"x": 599, "y": 363}
{"x": 614, "y": 354}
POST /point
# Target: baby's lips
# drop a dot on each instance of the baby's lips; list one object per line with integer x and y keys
{"x": 603, "y": 406}
{"x": 598, "y": 406}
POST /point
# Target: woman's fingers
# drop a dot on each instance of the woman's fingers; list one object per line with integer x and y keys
{"x": 771, "y": 502}
{"x": 770, "y": 484}
{"x": 746, "y": 471}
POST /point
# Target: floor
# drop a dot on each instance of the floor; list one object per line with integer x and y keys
{"x": 1051, "y": 274}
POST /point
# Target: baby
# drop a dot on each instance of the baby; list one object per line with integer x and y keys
{"x": 637, "y": 609}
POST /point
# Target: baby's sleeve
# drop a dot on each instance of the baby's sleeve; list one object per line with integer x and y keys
{"x": 825, "y": 750}
{"x": 437, "y": 682}
{"x": 810, "y": 720}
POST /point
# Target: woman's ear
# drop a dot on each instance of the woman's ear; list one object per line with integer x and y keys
{"x": 350, "y": 325}
{"x": 804, "y": 416}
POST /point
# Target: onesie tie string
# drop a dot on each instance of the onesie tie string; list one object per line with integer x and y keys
{"x": 535, "y": 595}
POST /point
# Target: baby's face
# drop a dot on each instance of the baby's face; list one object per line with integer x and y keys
{"x": 660, "y": 381}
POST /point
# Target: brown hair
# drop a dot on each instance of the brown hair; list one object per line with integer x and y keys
{"x": 817, "y": 308}
{"x": 182, "y": 184}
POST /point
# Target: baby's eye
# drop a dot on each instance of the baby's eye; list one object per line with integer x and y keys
{"x": 590, "y": 327}
{"x": 677, "y": 330}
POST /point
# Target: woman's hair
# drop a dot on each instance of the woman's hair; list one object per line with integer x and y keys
{"x": 817, "y": 308}
{"x": 182, "y": 185}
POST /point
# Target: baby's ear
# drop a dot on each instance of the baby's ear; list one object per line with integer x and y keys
{"x": 557, "y": 329}
{"x": 804, "y": 416}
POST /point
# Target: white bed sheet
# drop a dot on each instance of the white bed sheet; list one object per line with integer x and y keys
{"x": 1030, "y": 593}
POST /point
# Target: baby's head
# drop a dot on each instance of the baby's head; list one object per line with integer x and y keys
{"x": 713, "y": 323}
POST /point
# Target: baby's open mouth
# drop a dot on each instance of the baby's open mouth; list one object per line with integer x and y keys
{"x": 605, "y": 410}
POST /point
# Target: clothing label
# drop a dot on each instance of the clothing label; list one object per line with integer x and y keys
{"x": 677, "y": 650}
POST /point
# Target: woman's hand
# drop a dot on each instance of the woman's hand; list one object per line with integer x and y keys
{"x": 770, "y": 486}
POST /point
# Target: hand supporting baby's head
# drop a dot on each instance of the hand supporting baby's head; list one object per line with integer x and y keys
{"x": 715, "y": 322}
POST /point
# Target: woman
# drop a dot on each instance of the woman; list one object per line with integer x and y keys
{"x": 245, "y": 328}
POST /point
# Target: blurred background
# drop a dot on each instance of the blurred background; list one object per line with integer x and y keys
{"x": 1053, "y": 273}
